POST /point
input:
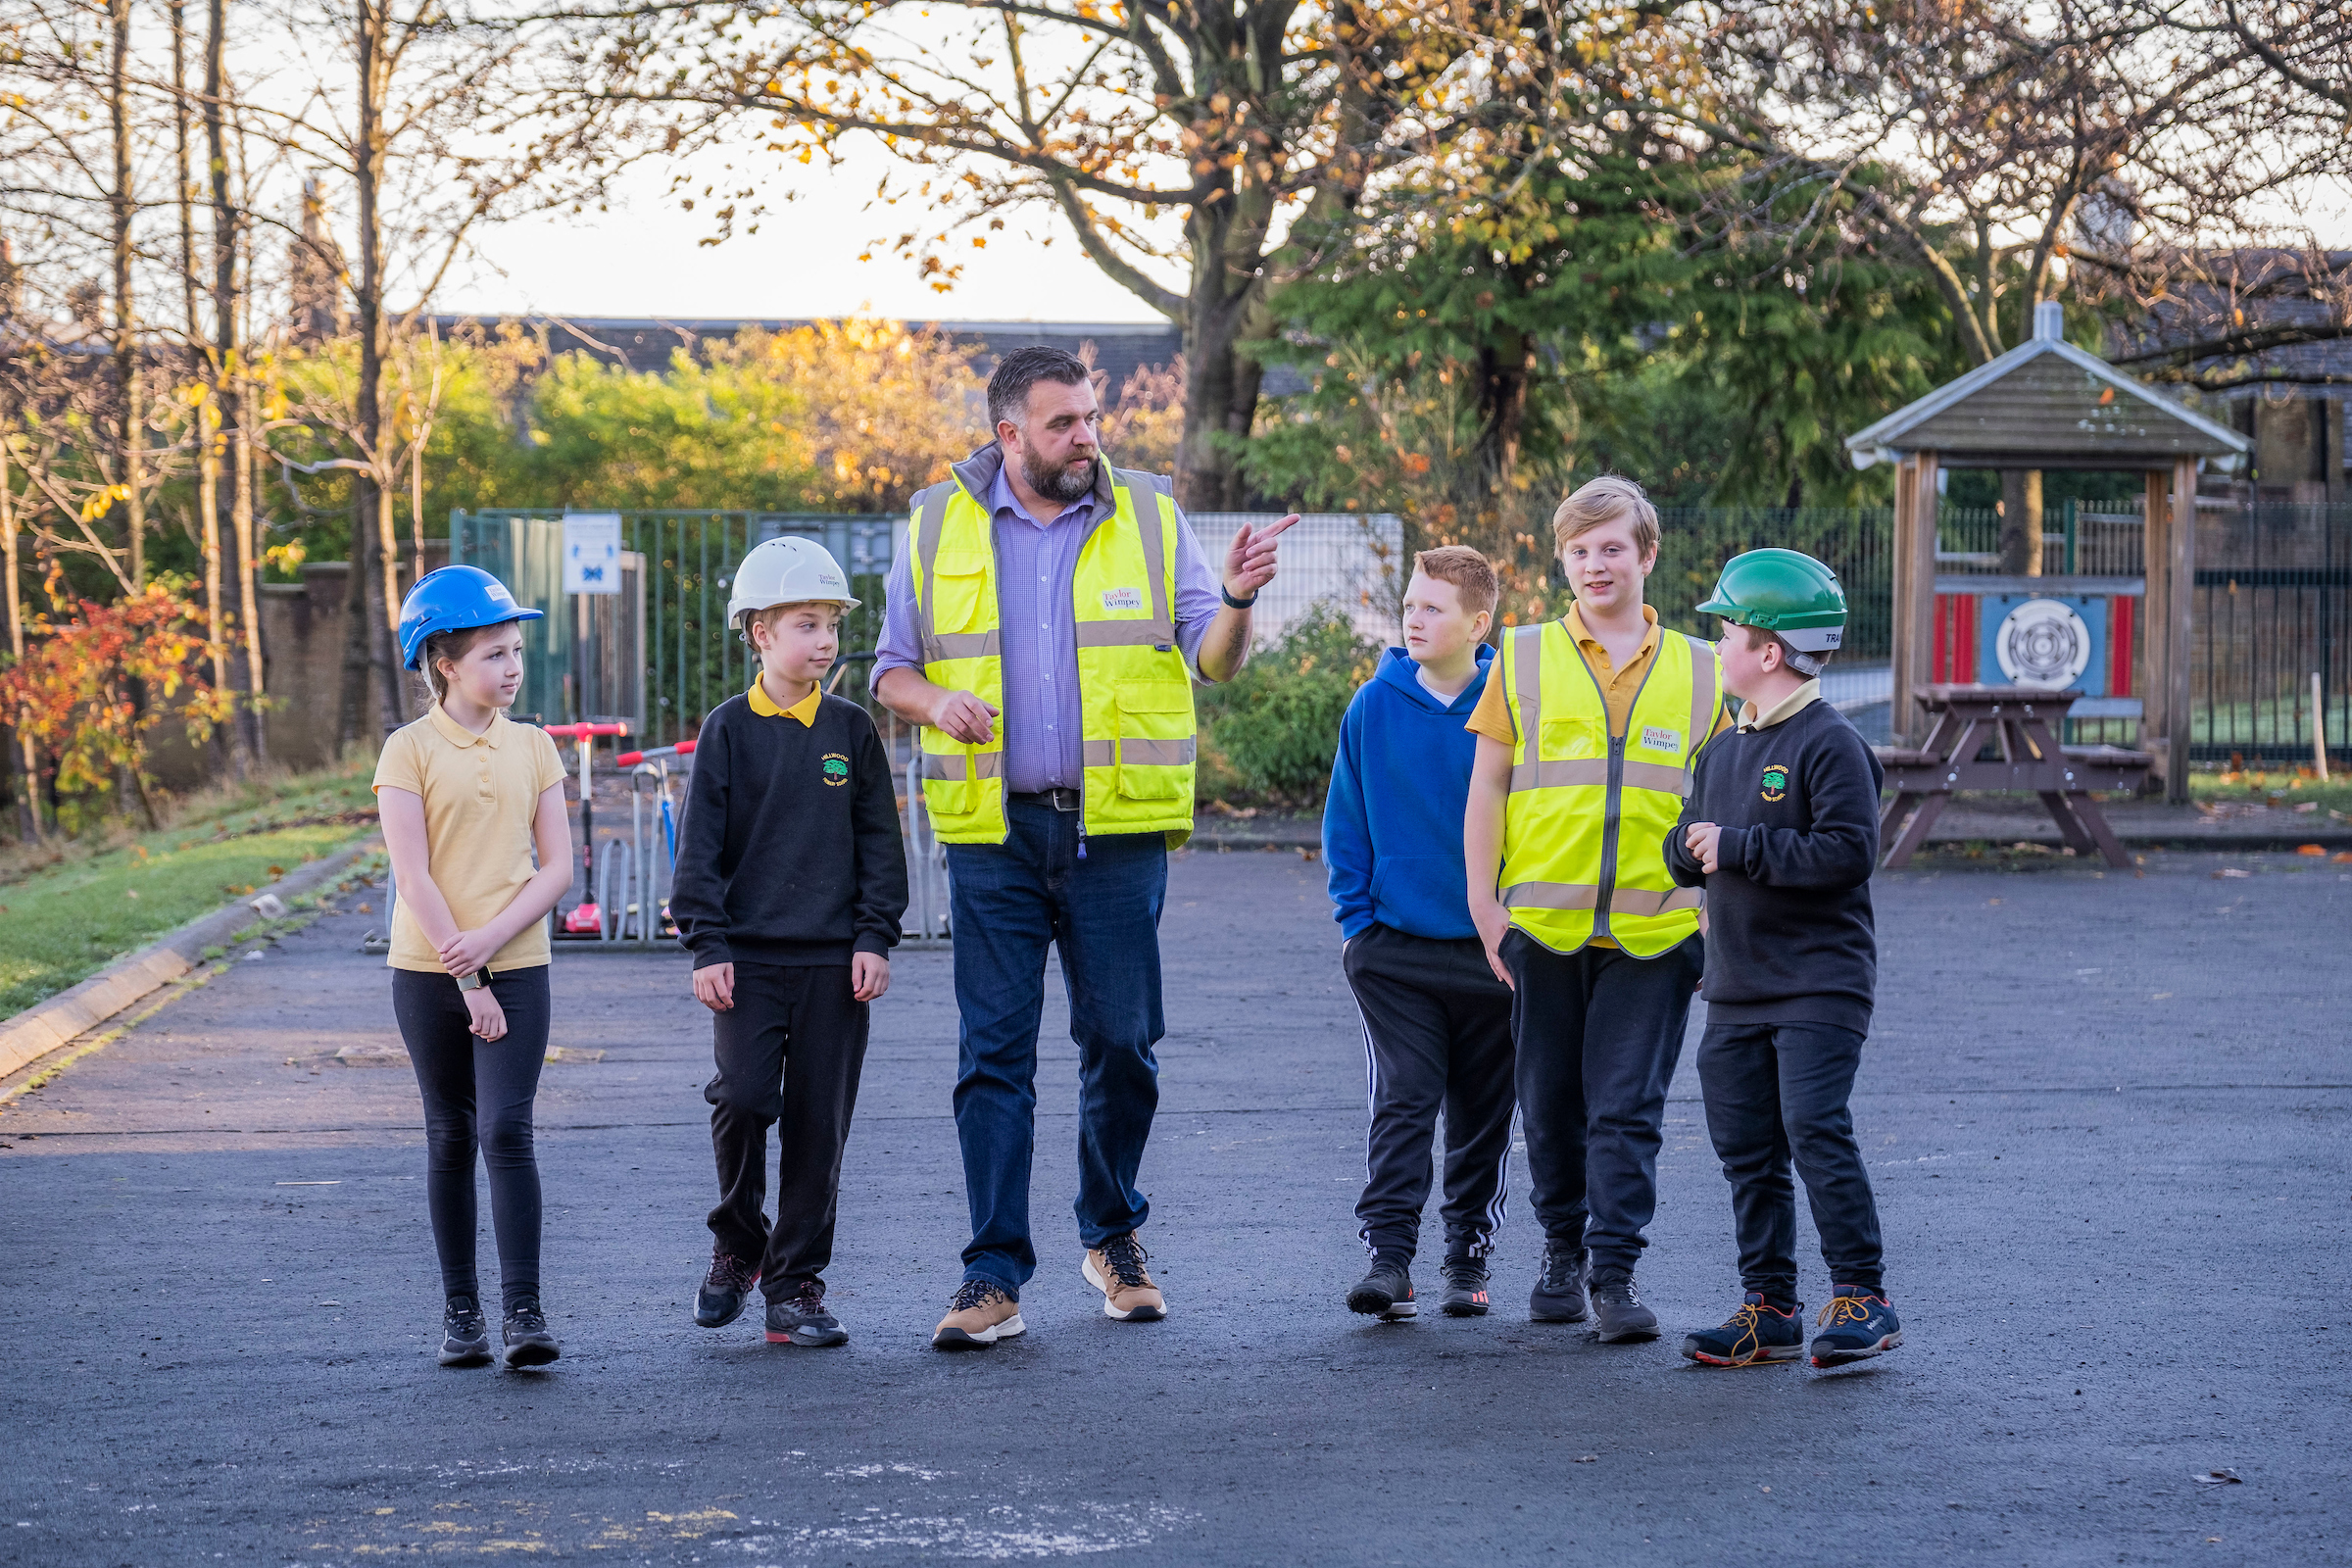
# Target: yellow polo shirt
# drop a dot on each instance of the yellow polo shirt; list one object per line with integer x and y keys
{"x": 805, "y": 710}
{"x": 480, "y": 793}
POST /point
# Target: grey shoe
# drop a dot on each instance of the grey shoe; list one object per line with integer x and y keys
{"x": 1559, "y": 1293}
{"x": 1386, "y": 1291}
{"x": 803, "y": 1319}
{"x": 1619, "y": 1314}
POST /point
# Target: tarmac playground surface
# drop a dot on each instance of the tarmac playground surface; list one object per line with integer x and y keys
{"x": 2107, "y": 1117}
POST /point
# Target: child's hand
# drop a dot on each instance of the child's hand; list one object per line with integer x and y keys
{"x": 489, "y": 1019}
{"x": 869, "y": 975}
{"x": 467, "y": 952}
{"x": 715, "y": 987}
{"x": 1493, "y": 921}
{"x": 1702, "y": 841}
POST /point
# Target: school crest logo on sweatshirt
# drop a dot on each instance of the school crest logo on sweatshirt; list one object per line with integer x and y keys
{"x": 1776, "y": 782}
{"x": 836, "y": 768}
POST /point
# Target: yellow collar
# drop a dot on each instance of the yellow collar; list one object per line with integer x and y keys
{"x": 805, "y": 710}
{"x": 1787, "y": 708}
{"x": 458, "y": 734}
{"x": 1583, "y": 636}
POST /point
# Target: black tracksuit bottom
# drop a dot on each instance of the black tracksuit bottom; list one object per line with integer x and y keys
{"x": 1436, "y": 1033}
{"x": 789, "y": 1055}
{"x": 1598, "y": 1033}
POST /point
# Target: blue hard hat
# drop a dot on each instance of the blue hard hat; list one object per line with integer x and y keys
{"x": 454, "y": 599}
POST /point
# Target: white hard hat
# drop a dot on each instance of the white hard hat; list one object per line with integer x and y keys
{"x": 786, "y": 571}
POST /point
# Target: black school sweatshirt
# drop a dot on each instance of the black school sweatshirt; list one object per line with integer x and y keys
{"x": 790, "y": 852}
{"x": 1789, "y": 937}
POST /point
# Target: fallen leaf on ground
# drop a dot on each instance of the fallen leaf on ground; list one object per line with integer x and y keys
{"x": 2217, "y": 1478}
{"x": 2230, "y": 871}
{"x": 2311, "y": 848}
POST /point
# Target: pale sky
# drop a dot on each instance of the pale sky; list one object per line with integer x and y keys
{"x": 643, "y": 260}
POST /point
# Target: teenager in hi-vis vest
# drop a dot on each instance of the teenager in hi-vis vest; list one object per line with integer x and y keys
{"x": 1045, "y": 624}
{"x": 1587, "y": 735}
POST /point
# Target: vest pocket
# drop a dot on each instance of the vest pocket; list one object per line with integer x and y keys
{"x": 1155, "y": 723}
{"x": 1570, "y": 737}
{"x": 959, "y": 592}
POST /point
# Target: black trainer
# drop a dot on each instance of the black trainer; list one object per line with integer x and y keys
{"x": 1619, "y": 1314}
{"x": 1386, "y": 1293}
{"x": 528, "y": 1344}
{"x": 1559, "y": 1293}
{"x": 802, "y": 1320}
{"x": 1465, "y": 1288}
{"x": 464, "y": 1333}
{"x": 725, "y": 1289}
{"x": 1758, "y": 1332}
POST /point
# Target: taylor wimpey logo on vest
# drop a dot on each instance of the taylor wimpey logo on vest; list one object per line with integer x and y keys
{"x": 1776, "y": 782}
{"x": 1661, "y": 740}
{"x": 1122, "y": 599}
{"x": 836, "y": 768}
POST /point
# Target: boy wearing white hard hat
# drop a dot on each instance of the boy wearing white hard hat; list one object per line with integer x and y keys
{"x": 791, "y": 882}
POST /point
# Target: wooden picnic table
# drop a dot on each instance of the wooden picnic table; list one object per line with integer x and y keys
{"x": 2016, "y": 720}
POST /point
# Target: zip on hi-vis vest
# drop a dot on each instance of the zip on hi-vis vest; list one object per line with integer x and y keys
{"x": 1613, "y": 799}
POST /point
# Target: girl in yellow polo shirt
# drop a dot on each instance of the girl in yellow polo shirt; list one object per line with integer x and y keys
{"x": 467, "y": 797}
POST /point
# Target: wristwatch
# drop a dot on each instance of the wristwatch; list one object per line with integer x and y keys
{"x": 1226, "y": 594}
{"x": 474, "y": 981}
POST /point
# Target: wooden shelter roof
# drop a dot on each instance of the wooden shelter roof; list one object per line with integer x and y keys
{"x": 2047, "y": 404}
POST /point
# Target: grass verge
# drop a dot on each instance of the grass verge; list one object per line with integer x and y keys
{"x": 63, "y": 921}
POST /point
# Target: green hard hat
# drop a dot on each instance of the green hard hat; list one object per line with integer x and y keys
{"x": 1785, "y": 592}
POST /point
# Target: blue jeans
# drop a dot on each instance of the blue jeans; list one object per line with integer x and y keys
{"x": 1776, "y": 1093}
{"x": 1009, "y": 901}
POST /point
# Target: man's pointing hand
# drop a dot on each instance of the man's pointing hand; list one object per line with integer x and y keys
{"x": 1249, "y": 563}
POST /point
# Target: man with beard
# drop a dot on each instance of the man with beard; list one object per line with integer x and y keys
{"x": 1045, "y": 624}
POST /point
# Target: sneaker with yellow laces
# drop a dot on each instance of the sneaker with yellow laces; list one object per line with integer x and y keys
{"x": 1758, "y": 1333}
{"x": 1117, "y": 1269}
{"x": 1857, "y": 1324}
{"x": 981, "y": 1313}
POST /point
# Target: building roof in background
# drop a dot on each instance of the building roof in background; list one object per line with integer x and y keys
{"x": 647, "y": 342}
{"x": 2251, "y": 293}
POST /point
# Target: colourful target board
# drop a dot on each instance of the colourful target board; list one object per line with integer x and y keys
{"x": 2059, "y": 641}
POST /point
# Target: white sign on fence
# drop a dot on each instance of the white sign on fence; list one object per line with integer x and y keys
{"x": 592, "y": 552}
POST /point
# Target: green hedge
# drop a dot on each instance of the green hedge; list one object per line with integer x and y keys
{"x": 1269, "y": 734}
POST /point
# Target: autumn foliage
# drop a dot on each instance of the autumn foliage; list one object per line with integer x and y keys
{"x": 96, "y": 679}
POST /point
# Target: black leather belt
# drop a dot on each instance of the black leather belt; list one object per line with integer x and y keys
{"x": 1058, "y": 800}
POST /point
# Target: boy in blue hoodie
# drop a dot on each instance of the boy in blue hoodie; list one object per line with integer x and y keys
{"x": 1437, "y": 1020}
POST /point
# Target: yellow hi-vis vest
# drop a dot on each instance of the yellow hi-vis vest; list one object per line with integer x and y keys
{"x": 1135, "y": 695}
{"x": 1586, "y": 819}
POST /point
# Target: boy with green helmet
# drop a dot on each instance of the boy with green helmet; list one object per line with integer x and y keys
{"x": 1781, "y": 829}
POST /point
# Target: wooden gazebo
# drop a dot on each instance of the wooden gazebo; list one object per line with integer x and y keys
{"x": 2045, "y": 404}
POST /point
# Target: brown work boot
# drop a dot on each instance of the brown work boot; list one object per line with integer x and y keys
{"x": 1117, "y": 1269}
{"x": 978, "y": 1318}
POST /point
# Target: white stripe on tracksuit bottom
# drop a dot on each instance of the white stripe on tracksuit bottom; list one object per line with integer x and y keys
{"x": 1436, "y": 1037}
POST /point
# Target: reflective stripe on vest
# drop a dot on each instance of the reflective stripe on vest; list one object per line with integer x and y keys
{"x": 1588, "y": 810}
{"x": 1135, "y": 694}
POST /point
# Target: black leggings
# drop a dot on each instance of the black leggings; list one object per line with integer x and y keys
{"x": 477, "y": 1094}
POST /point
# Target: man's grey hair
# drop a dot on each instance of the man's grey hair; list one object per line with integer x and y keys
{"x": 1016, "y": 373}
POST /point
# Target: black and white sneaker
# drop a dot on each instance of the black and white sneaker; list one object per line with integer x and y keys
{"x": 1465, "y": 1288}
{"x": 725, "y": 1290}
{"x": 464, "y": 1333}
{"x": 1386, "y": 1293}
{"x": 1559, "y": 1293}
{"x": 802, "y": 1320}
{"x": 528, "y": 1341}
